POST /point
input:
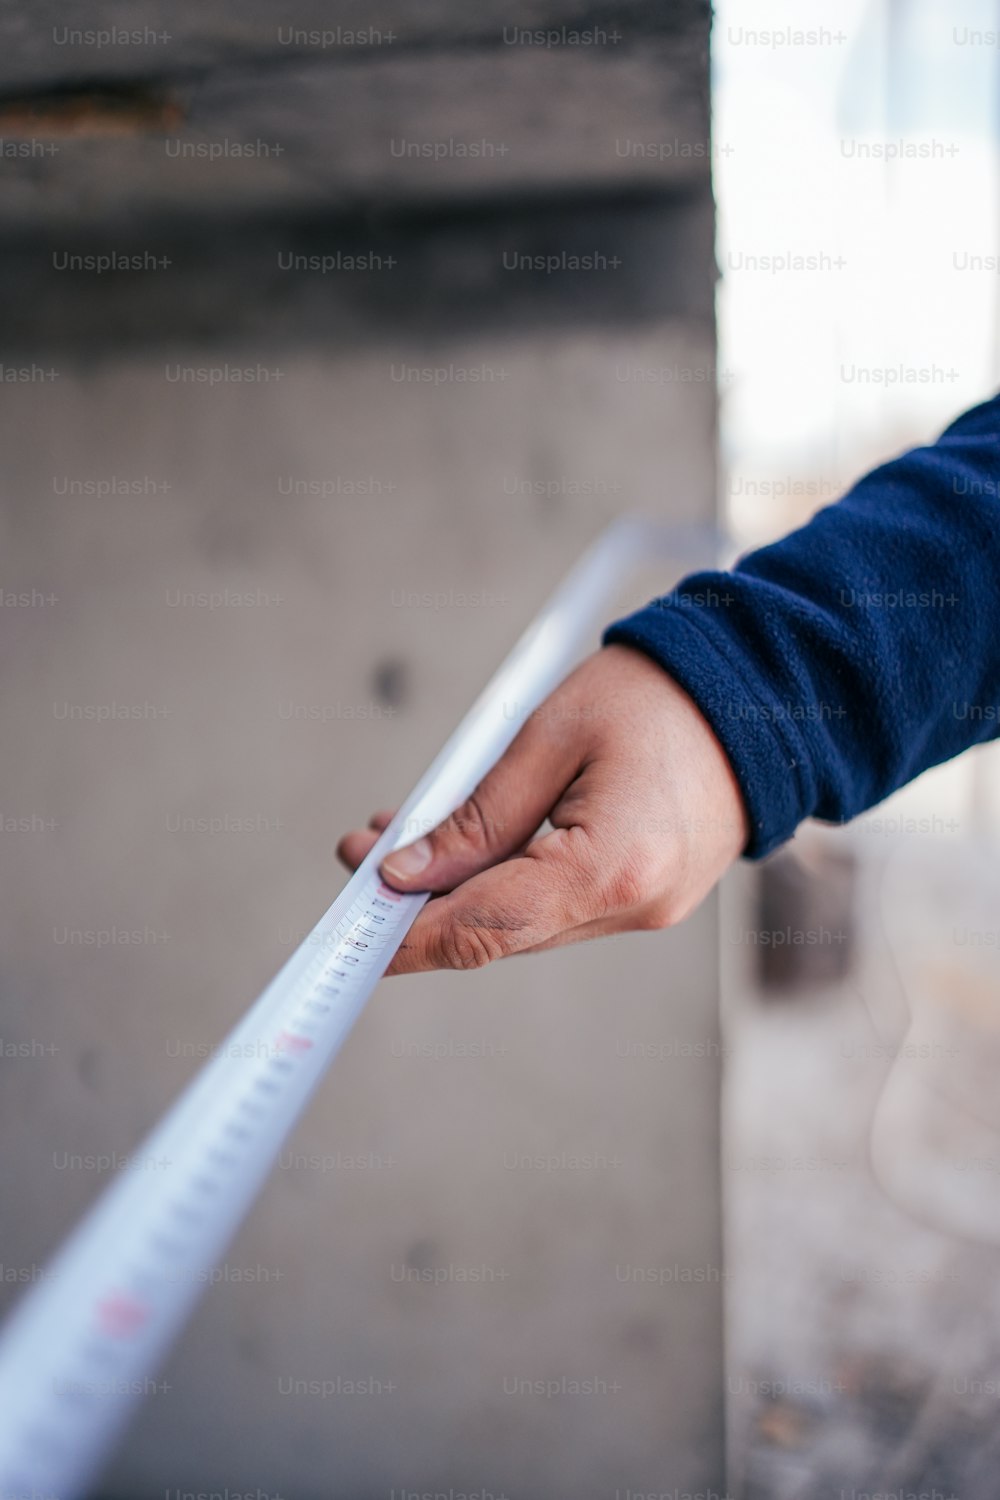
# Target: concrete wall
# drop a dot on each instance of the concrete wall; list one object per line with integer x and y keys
{"x": 290, "y": 717}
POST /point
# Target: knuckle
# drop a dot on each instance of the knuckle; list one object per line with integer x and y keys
{"x": 656, "y": 916}
{"x": 629, "y": 885}
{"x": 465, "y": 947}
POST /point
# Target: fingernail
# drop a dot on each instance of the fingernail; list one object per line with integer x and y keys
{"x": 405, "y": 863}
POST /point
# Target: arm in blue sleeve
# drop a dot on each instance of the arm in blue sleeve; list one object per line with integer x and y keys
{"x": 840, "y": 662}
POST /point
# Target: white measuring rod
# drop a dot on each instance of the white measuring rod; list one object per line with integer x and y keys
{"x": 85, "y": 1343}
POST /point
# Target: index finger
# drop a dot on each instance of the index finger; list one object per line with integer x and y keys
{"x": 506, "y": 909}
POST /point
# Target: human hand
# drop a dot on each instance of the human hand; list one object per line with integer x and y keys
{"x": 645, "y": 817}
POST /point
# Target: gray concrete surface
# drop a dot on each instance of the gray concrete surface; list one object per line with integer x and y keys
{"x": 218, "y": 110}
{"x": 263, "y": 537}
{"x": 210, "y": 35}
{"x": 290, "y": 716}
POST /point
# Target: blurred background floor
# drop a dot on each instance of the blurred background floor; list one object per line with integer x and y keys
{"x": 862, "y": 1170}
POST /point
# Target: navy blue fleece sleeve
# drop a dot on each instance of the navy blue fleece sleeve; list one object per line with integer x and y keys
{"x": 839, "y": 663}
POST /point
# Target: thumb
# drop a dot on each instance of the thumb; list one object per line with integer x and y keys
{"x": 502, "y": 813}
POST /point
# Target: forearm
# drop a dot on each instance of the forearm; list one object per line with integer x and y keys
{"x": 837, "y": 664}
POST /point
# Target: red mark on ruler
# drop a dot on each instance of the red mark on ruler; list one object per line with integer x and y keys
{"x": 288, "y": 1042}
{"x": 120, "y": 1315}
